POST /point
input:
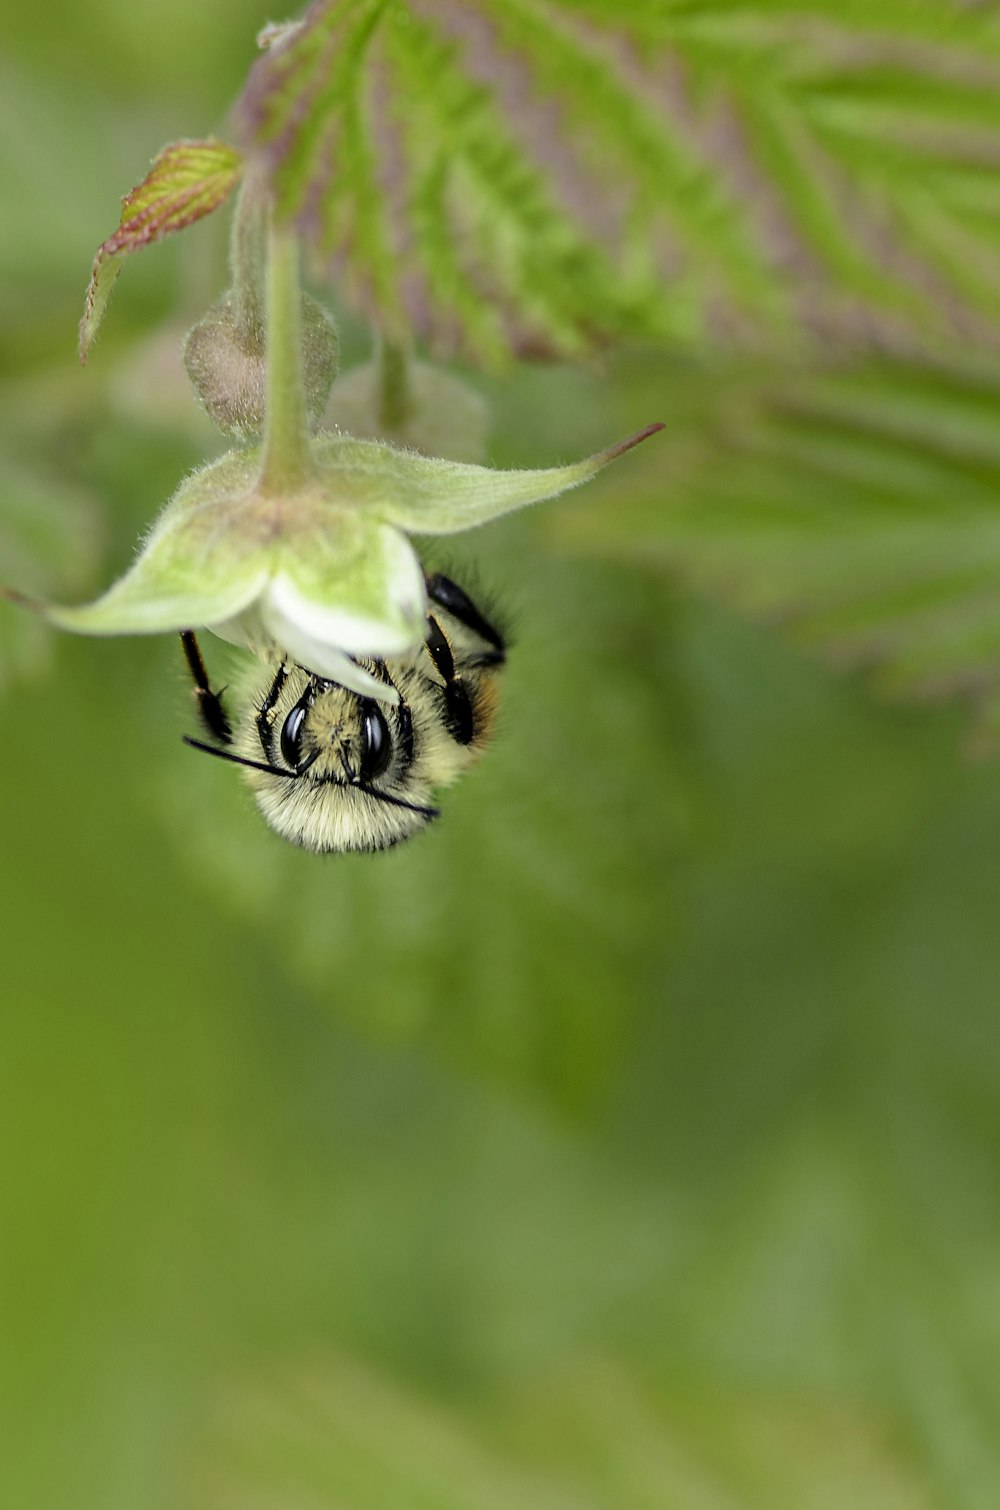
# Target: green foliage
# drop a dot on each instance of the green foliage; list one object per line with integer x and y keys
{"x": 856, "y": 507}
{"x": 520, "y": 178}
{"x": 631, "y": 1138}
{"x": 49, "y": 534}
{"x": 331, "y": 1432}
{"x": 595, "y": 1143}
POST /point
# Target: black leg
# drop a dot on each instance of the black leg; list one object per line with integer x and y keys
{"x": 211, "y": 713}
{"x": 448, "y": 595}
{"x": 404, "y": 718}
{"x": 439, "y": 650}
{"x": 265, "y": 730}
{"x": 458, "y": 707}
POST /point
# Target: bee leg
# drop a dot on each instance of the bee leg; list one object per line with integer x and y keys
{"x": 265, "y": 730}
{"x": 211, "y": 713}
{"x": 404, "y": 717}
{"x": 458, "y": 707}
{"x": 449, "y": 596}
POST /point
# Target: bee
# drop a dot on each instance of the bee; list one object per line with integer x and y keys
{"x": 333, "y": 770}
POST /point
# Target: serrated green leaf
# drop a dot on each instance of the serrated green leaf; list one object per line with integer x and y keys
{"x": 859, "y": 509}
{"x": 537, "y": 177}
{"x": 186, "y": 182}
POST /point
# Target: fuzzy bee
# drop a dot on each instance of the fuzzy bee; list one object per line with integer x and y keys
{"x": 333, "y": 770}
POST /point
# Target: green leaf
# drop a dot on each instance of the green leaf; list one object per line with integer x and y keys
{"x": 515, "y": 177}
{"x": 187, "y": 181}
{"x": 859, "y": 509}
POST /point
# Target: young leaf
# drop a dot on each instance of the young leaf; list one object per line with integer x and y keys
{"x": 187, "y": 181}
{"x": 515, "y": 177}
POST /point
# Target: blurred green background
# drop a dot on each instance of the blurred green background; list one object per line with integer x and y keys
{"x": 631, "y": 1139}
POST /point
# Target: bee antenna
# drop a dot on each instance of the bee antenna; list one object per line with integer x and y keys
{"x": 256, "y": 765}
{"x": 273, "y": 770}
{"x": 411, "y": 807}
{"x": 370, "y": 791}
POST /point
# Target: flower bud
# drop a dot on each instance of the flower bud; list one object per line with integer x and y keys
{"x": 226, "y": 360}
{"x": 417, "y": 406}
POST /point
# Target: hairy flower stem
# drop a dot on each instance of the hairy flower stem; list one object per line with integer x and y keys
{"x": 247, "y": 253}
{"x": 395, "y": 397}
{"x": 286, "y": 463}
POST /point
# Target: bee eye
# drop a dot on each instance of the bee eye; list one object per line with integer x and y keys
{"x": 291, "y": 736}
{"x": 376, "y": 742}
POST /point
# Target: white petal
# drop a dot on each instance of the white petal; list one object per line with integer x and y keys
{"x": 320, "y": 656}
{"x": 350, "y": 631}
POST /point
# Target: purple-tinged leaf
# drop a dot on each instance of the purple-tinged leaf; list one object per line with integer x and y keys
{"x": 536, "y": 177}
{"x": 187, "y": 181}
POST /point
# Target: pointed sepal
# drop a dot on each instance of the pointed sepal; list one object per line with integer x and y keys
{"x": 196, "y": 566}
{"x": 430, "y": 496}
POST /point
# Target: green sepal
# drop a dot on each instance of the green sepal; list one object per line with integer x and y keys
{"x": 197, "y": 565}
{"x": 430, "y": 496}
{"x": 298, "y": 574}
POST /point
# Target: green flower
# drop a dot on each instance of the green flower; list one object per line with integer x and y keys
{"x": 318, "y": 568}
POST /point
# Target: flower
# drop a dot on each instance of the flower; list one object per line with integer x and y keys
{"x": 321, "y": 569}
{"x": 298, "y": 547}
